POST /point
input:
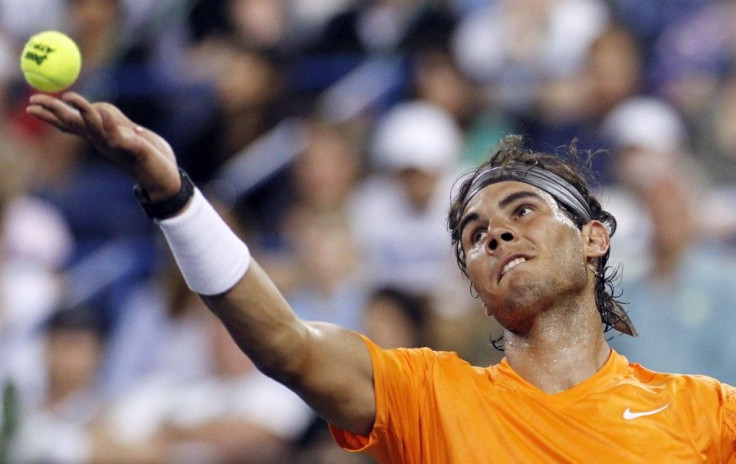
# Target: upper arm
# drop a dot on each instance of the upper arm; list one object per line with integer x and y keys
{"x": 328, "y": 366}
{"x": 338, "y": 378}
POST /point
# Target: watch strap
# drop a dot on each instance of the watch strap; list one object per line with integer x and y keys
{"x": 169, "y": 207}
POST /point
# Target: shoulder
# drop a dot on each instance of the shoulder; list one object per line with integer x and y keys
{"x": 700, "y": 388}
{"x": 414, "y": 355}
{"x": 418, "y": 362}
{"x": 697, "y": 401}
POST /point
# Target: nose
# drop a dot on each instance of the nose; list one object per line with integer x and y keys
{"x": 498, "y": 235}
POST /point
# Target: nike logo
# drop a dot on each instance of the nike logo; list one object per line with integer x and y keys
{"x": 628, "y": 415}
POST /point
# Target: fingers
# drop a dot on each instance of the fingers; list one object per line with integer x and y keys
{"x": 141, "y": 153}
{"x": 55, "y": 112}
{"x": 46, "y": 116}
{"x": 91, "y": 118}
{"x": 72, "y": 113}
{"x": 100, "y": 124}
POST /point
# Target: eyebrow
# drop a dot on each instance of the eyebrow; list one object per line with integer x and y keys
{"x": 506, "y": 201}
{"x": 518, "y": 196}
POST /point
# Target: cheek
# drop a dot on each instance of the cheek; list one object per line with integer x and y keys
{"x": 475, "y": 264}
{"x": 568, "y": 253}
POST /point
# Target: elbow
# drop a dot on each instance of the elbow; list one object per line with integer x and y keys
{"x": 287, "y": 358}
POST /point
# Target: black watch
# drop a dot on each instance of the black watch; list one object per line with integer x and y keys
{"x": 169, "y": 207}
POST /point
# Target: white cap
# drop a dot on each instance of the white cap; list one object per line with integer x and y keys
{"x": 417, "y": 135}
{"x": 648, "y": 123}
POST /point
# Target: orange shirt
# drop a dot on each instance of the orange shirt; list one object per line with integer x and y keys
{"x": 433, "y": 407}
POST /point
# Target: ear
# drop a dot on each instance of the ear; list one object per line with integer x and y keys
{"x": 596, "y": 240}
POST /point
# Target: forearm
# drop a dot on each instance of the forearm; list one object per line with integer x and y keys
{"x": 263, "y": 324}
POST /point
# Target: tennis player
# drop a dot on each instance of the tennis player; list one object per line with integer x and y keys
{"x": 534, "y": 244}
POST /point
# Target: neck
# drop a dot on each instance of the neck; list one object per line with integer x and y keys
{"x": 562, "y": 349}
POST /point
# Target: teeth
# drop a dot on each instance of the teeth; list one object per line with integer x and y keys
{"x": 511, "y": 264}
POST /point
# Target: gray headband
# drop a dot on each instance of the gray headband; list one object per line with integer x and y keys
{"x": 560, "y": 189}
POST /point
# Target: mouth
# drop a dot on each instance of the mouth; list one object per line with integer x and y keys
{"x": 512, "y": 262}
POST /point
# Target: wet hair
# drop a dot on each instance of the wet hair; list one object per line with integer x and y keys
{"x": 574, "y": 166}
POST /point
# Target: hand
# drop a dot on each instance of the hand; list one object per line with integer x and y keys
{"x": 139, "y": 152}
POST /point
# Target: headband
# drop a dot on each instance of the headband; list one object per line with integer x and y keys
{"x": 560, "y": 189}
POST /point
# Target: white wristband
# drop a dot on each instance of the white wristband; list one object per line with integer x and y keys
{"x": 210, "y": 256}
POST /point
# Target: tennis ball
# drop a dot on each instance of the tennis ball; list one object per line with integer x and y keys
{"x": 51, "y": 61}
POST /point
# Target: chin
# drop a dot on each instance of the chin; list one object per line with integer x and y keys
{"x": 520, "y": 301}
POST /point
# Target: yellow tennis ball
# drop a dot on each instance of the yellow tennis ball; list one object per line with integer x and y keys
{"x": 51, "y": 61}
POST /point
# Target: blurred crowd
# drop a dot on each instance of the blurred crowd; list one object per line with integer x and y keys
{"x": 329, "y": 133}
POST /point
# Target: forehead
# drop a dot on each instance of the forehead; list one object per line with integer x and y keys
{"x": 493, "y": 196}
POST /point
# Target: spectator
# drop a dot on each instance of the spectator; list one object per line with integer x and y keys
{"x": 415, "y": 150}
{"x": 327, "y": 171}
{"x": 395, "y": 318}
{"x": 35, "y": 245}
{"x": 162, "y": 332}
{"x": 436, "y": 78}
{"x": 715, "y": 136}
{"x": 686, "y": 282}
{"x": 330, "y": 282}
{"x": 234, "y": 414}
{"x": 57, "y": 429}
{"x": 515, "y": 47}
{"x": 322, "y": 178}
{"x": 384, "y": 26}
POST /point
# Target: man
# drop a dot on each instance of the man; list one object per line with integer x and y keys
{"x": 680, "y": 273}
{"x": 415, "y": 152}
{"x": 533, "y": 242}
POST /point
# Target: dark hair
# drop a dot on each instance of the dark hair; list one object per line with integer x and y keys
{"x": 413, "y": 305}
{"x": 86, "y": 318}
{"x": 575, "y": 169}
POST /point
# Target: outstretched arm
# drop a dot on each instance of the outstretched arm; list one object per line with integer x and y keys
{"x": 327, "y": 365}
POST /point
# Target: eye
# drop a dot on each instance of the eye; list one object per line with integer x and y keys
{"x": 477, "y": 235}
{"x": 523, "y": 210}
